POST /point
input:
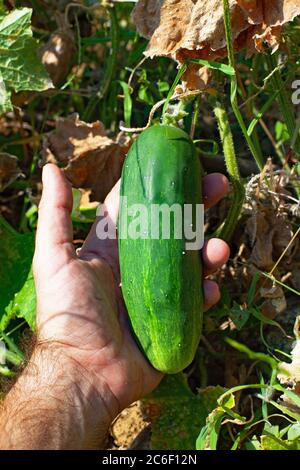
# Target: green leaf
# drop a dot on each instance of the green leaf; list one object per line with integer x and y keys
{"x": 209, "y": 434}
{"x": 224, "y": 68}
{"x": 163, "y": 87}
{"x": 23, "y": 305}
{"x": 81, "y": 214}
{"x": 272, "y": 429}
{"x": 294, "y": 432}
{"x": 281, "y": 132}
{"x": 181, "y": 413}
{"x": 17, "y": 294}
{"x": 253, "y": 444}
{"x": 145, "y": 95}
{"x": 270, "y": 442}
{"x": 20, "y": 68}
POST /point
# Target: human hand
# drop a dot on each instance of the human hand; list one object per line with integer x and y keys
{"x": 80, "y": 311}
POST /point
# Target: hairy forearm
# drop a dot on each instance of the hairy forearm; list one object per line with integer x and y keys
{"x": 53, "y": 406}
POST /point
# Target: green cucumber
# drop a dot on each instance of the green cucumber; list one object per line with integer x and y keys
{"x": 161, "y": 280}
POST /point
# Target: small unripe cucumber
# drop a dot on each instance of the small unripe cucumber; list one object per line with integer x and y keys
{"x": 161, "y": 280}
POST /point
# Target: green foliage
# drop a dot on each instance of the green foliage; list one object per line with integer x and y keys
{"x": 81, "y": 215}
{"x": 209, "y": 434}
{"x": 181, "y": 413}
{"x": 17, "y": 294}
{"x": 20, "y": 68}
{"x": 275, "y": 439}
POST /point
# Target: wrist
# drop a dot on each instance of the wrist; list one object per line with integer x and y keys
{"x": 58, "y": 405}
{"x": 87, "y": 401}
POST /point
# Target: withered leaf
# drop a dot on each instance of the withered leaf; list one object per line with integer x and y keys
{"x": 9, "y": 170}
{"x": 178, "y": 26}
{"x": 57, "y": 53}
{"x": 184, "y": 29}
{"x": 270, "y": 234}
{"x": 91, "y": 159}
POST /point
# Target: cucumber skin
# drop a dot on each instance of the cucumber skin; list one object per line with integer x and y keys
{"x": 161, "y": 283}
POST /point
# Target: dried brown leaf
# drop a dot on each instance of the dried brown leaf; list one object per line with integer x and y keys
{"x": 184, "y": 29}
{"x": 57, "y": 53}
{"x": 92, "y": 159}
{"x": 85, "y": 201}
{"x": 275, "y": 302}
{"x": 270, "y": 36}
{"x": 197, "y": 78}
{"x": 9, "y": 170}
{"x": 270, "y": 234}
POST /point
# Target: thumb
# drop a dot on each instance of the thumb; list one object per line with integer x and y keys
{"x": 54, "y": 237}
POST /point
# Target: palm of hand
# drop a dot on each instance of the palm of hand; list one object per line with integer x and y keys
{"x": 80, "y": 307}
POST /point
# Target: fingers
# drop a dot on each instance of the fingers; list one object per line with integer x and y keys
{"x": 54, "y": 238}
{"x": 215, "y": 253}
{"x": 215, "y": 187}
{"x": 211, "y": 294}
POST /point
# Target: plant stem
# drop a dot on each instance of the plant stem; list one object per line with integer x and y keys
{"x": 178, "y": 77}
{"x": 230, "y": 223}
{"x": 285, "y": 104}
{"x": 195, "y": 116}
{"x": 13, "y": 347}
{"x": 234, "y": 86}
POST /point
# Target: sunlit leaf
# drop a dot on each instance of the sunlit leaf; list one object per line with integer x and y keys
{"x": 20, "y": 68}
{"x": 17, "y": 294}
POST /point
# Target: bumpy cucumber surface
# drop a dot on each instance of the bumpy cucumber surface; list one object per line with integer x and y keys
{"x": 161, "y": 280}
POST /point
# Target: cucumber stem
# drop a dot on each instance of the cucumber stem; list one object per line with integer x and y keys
{"x": 230, "y": 223}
